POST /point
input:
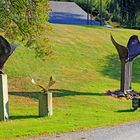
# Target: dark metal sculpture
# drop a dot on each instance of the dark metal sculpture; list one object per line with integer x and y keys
{"x": 127, "y": 55}
{"x": 5, "y": 51}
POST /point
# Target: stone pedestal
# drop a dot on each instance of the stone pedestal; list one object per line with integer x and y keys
{"x": 4, "y": 113}
{"x": 45, "y": 104}
{"x": 126, "y": 76}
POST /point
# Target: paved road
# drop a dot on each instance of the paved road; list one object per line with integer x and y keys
{"x": 129, "y": 131}
{"x": 68, "y": 13}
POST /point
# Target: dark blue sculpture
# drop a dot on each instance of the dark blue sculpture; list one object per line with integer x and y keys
{"x": 131, "y": 51}
{"x": 5, "y": 51}
{"x": 133, "y": 47}
{"x": 127, "y": 55}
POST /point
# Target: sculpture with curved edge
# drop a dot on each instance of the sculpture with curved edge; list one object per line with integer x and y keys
{"x": 133, "y": 47}
{"x": 122, "y": 51}
{"x": 127, "y": 55}
{"x": 131, "y": 51}
{"x": 5, "y": 51}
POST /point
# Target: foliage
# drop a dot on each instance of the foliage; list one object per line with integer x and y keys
{"x": 124, "y": 11}
{"x": 120, "y": 10}
{"x": 24, "y": 20}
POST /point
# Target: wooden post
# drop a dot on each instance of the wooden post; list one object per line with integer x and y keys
{"x": 45, "y": 104}
{"x": 126, "y": 75}
{"x": 4, "y": 111}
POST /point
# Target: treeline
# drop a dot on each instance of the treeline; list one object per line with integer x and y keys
{"x": 125, "y": 12}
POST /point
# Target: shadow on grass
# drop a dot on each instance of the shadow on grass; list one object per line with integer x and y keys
{"x": 56, "y": 93}
{"x": 70, "y": 18}
{"x": 112, "y": 69}
{"x": 33, "y": 95}
{"x": 23, "y": 117}
{"x": 127, "y": 111}
{"x": 64, "y": 92}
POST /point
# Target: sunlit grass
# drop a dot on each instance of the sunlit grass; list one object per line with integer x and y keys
{"x": 85, "y": 65}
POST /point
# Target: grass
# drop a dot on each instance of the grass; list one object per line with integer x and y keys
{"x": 85, "y": 65}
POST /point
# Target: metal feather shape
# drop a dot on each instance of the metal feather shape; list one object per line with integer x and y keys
{"x": 133, "y": 47}
{"x": 122, "y": 51}
{"x": 5, "y": 51}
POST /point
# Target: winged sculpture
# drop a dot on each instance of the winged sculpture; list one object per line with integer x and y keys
{"x": 129, "y": 52}
{"x": 5, "y": 51}
{"x": 45, "y": 89}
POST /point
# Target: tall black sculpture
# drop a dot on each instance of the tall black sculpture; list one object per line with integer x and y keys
{"x": 5, "y": 51}
{"x": 127, "y": 55}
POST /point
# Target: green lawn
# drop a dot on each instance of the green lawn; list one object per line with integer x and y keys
{"x": 85, "y": 65}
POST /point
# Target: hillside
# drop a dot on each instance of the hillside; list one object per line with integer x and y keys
{"x": 85, "y": 65}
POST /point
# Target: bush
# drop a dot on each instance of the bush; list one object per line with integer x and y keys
{"x": 115, "y": 18}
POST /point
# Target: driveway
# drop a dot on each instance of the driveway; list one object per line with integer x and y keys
{"x": 128, "y": 131}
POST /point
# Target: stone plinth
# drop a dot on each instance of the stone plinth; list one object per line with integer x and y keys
{"x": 45, "y": 104}
{"x": 4, "y": 111}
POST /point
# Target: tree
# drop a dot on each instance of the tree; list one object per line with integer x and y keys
{"x": 24, "y": 20}
{"x": 127, "y": 11}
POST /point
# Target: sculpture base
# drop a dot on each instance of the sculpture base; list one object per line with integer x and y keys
{"x": 45, "y": 104}
{"x": 126, "y": 76}
{"x": 130, "y": 94}
{"x": 4, "y": 111}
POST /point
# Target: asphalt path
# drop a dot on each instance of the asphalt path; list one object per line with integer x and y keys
{"x": 128, "y": 131}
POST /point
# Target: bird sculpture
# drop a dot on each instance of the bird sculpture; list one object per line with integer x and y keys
{"x": 131, "y": 51}
{"x": 45, "y": 89}
{"x": 5, "y": 51}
